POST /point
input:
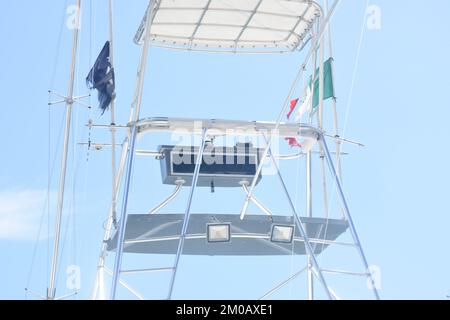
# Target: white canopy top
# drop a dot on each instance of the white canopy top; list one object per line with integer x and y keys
{"x": 230, "y": 25}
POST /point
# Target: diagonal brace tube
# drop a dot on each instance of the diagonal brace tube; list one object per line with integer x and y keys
{"x": 347, "y": 214}
{"x": 179, "y": 185}
{"x": 284, "y": 283}
{"x": 302, "y": 230}
{"x": 255, "y": 200}
{"x": 187, "y": 213}
{"x": 124, "y": 213}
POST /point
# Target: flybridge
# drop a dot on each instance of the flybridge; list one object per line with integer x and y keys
{"x": 232, "y": 26}
{"x": 225, "y": 26}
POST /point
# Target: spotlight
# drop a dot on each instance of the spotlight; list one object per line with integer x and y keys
{"x": 218, "y": 232}
{"x": 282, "y": 233}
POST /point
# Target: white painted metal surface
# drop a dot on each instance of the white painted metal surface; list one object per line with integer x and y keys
{"x": 219, "y": 127}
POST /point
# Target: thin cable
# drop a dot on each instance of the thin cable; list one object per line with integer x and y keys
{"x": 355, "y": 69}
{"x": 355, "y": 72}
{"x": 46, "y": 207}
{"x": 52, "y": 83}
{"x": 297, "y": 196}
{"x": 58, "y": 46}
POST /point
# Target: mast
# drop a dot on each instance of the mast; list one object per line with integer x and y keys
{"x": 51, "y": 290}
{"x": 99, "y": 286}
{"x": 113, "y": 118}
{"x": 335, "y": 115}
{"x": 309, "y": 198}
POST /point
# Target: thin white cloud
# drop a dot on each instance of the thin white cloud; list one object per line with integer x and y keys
{"x": 20, "y": 213}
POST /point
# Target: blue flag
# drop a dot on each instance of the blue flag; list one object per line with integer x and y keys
{"x": 101, "y": 78}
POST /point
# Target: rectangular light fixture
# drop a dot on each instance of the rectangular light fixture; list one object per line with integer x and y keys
{"x": 282, "y": 233}
{"x": 218, "y": 232}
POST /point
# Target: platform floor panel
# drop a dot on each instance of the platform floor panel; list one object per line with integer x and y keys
{"x": 160, "y": 234}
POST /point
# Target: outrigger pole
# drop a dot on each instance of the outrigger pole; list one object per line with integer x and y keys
{"x": 98, "y": 291}
{"x": 69, "y": 100}
{"x": 113, "y": 119}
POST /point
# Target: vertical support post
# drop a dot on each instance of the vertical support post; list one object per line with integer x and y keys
{"x": 309, "y": 214}
{"x": 303, "y": 233}
{"x": 321, "y": 81}
{"x": 335, "y": 116}
{"x": 347, "y": 214}
{"x": 135, "y": 111}
{"x": 113, "y": 119}
{"x": 99, "y": 284}
{"x": 51, "y": 290}
{"x": 123, "y": 217}
{"x": 309, "y": 198}
{"x": 187, "y": 213}
{"x": 320, "y": 116}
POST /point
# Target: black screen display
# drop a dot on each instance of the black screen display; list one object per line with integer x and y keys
{"x": 221, "y": 164}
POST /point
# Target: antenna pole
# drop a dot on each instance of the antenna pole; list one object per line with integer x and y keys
{"x": 309, "y": 197}
{"x": 335, "y": 116}
{"x": 51, "y": 290}
{"x": 113, "y": 119}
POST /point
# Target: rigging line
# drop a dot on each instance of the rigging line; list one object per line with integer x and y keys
{"x": 334, "y": 102}
{"x": 33, "y": 257}
{"x": 72, "y": 209}
{"x": 58, "y": 46}
{"x": 52, "y": 82}
{"x": 73, "y": 130}
{"x": 46, "y": 207}
{"x": 355, "y": 68}
{"x": 335, "y": 114}
{"x": 71, "y": 222}
{"x": 355, "y": 72}
{"x": 68, "y": 236}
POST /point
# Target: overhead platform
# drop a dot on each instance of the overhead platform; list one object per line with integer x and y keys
{"x": 256, "y": 26}
{"x": 253, "y": 236}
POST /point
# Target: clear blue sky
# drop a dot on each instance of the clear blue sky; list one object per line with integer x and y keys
{"x": 397, "y": 185}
